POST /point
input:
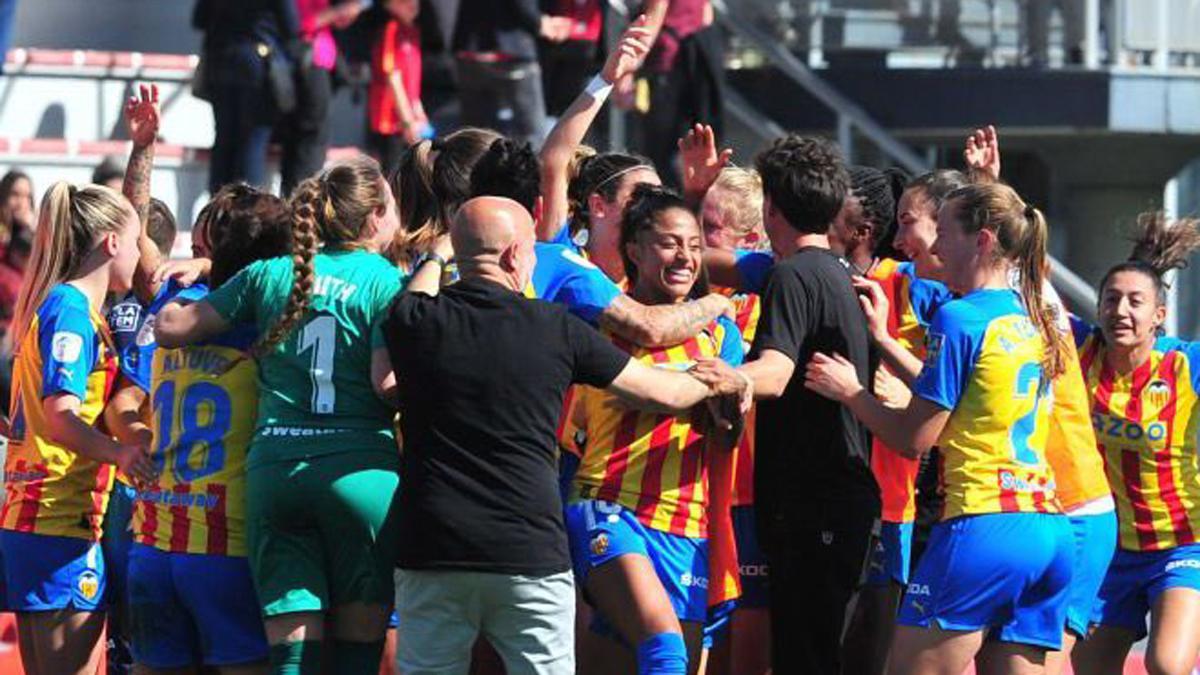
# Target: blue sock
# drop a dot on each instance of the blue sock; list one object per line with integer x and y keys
{"x": 662, "y": 654}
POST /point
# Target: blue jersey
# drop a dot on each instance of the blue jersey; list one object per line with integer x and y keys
{"x": 983, "y": 363}
{"x": 132, "y": 327}
{"x": 565, "y": 277}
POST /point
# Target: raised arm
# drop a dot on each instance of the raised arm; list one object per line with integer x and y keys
{"x": 702, "y": 162}
{"x": 663, "y": 325}
{"x": 982, "y": 155}
{"x": 180, "y": 325}
{"x": 568, "y": 133}
{"x": 142, "y": 121}
{"x": 655, "y": 12}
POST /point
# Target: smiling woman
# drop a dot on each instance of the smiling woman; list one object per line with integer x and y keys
{"x": 641, "y": 547}
{"x": 661, "y": 247}
{"x": 1145, "y": 393}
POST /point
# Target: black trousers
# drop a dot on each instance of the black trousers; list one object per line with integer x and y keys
{"x": 505, "y": 96}
{"x": 690, "y": 92}
{"x": 817, "y": 554}
{"x": 305, "y": 132}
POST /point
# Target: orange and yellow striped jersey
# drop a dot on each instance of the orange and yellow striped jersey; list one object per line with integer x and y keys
{"x": 983, "y": 364}
{"x": 204, "y": 416}
{"x": 653, "y": 464}
{"x": 749, "y": 309}
{"x": 911, "y": 304}
{"x": 1146, "y": 423}
{"x": 49, "y": 489}
{"x": 1070, "y": 449}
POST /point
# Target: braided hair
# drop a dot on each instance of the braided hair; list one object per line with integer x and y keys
{"x": 331, "y": 209}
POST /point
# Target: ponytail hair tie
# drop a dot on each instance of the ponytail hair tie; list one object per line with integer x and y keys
{"x": 1030, "y": 211}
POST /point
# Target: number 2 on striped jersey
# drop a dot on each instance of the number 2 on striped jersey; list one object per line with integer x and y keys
{"x": 1029, "y": 386}
{"x": 320, "y": 335}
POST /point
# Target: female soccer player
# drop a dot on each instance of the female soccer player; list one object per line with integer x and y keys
{"x": 60, "y": 468}
{"x": 995, "y": 350}
{"x": 638, "y": 522}
{"x": 731, "y": 216}
{"x": 1145, "y": 410}
{"x": 1080, "y": 483}
{"x": 192, "y": 598}
{"x": 322, "y": 468}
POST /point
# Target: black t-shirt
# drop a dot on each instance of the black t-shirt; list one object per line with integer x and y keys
{"x": 482, "y": 372}
{"x": 809, "y": 447}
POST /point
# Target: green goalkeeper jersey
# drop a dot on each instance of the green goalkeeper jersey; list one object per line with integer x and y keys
{"x": 316, "y": 395}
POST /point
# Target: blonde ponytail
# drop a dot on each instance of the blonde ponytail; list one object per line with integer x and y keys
{"x": 69, "y": 221}
{"x": 1023, "y": 236}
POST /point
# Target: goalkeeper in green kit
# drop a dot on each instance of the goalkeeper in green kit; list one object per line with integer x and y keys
{"x": 322, "y": 471}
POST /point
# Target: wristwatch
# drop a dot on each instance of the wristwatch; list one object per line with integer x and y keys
{"x": 431, "y": 256}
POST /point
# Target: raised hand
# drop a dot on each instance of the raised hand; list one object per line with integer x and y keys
{"x": 833, "y": 377}
{"x": 625, "y": 59}
{"x": 142, "y": 115}
{"x": 702, "y": 162}
{"x": 875, "y": 306}
{"x": 982, "y": 152}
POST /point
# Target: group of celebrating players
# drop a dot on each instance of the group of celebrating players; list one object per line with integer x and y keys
{"x": 243, "y": 423}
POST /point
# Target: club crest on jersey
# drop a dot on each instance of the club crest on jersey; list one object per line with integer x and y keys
{"x": 1157, "y": 394}
{"x": 599, "y": 544}
{"x": 88, "y": 585}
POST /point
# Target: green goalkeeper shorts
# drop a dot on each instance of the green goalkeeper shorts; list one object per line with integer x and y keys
{"x": 322, "y": 532}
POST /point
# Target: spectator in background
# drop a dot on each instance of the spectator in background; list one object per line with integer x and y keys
{"x": 12, "y": 272}
{"x": 499, "y": 79}
{"x": 1037, "y": 26}
{"x": 305, "y": 132}
{"x": 684, "y": 75}
{"x": 16, "y": 203}
{"x": 110, "y": 172}
{"x": 241, "y": 38}
{"x": 395, "y": 115}
{"x": 567, "y": 65}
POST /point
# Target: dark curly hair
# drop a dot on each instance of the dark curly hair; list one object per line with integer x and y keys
{"x": 806, "y": 181}
{"x": 510, "y": 169}
{"x": 646, "y": 204}
{"x": 599, "y": 174}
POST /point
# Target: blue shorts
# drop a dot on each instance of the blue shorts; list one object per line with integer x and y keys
{"x": 716, "y": 624}
{"x": 600, "y": 531}
{"x": 192, "y": 609}
{"x": 752, "y": 564}
{"x": 1135, "y": 580}
{"x": 1005, "y": 573}
{"x": 44, "y": 573}
{"x": 1095, "y": 541}
{"x": 117, "y": 539}
{"x": 891, "y": 555}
